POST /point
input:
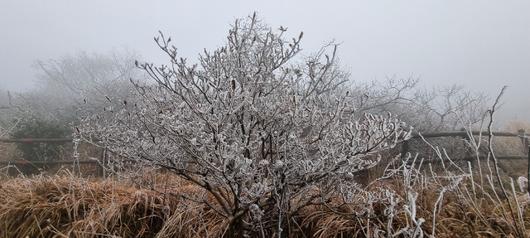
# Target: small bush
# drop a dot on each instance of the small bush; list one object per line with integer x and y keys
{"x": 39, "y": 128}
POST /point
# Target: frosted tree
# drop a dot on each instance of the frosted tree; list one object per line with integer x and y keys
{"x": 427, "y": 110}
{"x": 252, "y": 123}
{"x": 81, "y": 80}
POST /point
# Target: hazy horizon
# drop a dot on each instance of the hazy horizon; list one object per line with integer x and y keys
{"x": 482, "y": 46}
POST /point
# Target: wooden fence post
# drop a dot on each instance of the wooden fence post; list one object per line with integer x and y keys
{"x": 526, "y": 149}
{"x": 103, "y": 163}
{"x": 404, "y": 148}
{"x": 528, "y": 172}
{"x": 524, "y": 138}
{"x": 466, "y": 138}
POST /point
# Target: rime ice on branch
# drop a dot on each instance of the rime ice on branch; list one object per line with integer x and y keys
{"x": 252, "y": 123}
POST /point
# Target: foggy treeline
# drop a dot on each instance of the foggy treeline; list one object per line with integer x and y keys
{"x": 87, "y": 82}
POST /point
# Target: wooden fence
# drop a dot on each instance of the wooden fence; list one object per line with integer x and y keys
{"x": 88, "y": 166}
{"x": 97, "y": 163}
{"x": 522, "y": 135}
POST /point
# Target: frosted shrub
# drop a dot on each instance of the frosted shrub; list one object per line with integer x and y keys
{"x": 251, "y": 123}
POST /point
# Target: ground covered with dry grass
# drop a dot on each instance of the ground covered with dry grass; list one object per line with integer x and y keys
{"x": 156, "y": 205}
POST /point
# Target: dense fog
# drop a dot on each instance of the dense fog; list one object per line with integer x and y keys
{"x": 481, "y": 46}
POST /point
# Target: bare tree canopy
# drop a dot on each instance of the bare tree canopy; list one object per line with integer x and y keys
{"x": 72, "y": 82}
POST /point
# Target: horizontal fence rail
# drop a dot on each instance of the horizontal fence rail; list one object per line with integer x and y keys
{"x": 50, "y": 162}
{"x": 466, "y": 133}
{"x": 35, "y": 140}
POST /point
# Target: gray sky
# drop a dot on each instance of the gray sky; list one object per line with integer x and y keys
{"x": 480, "y": 44}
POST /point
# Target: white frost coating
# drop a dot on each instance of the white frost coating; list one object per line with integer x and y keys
{"x": 251, "y": 119}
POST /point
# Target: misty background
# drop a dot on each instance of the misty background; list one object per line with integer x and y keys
{"x": 480, "y": 45}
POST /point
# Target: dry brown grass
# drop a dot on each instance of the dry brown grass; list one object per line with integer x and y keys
{"x": 68, "y": 206}
{"x": 457, "y": 218}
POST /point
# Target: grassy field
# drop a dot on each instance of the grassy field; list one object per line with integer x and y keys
{"x": 154, "y": 204}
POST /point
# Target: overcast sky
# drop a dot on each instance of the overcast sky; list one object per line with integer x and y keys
{"x": 480, "y": 44}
